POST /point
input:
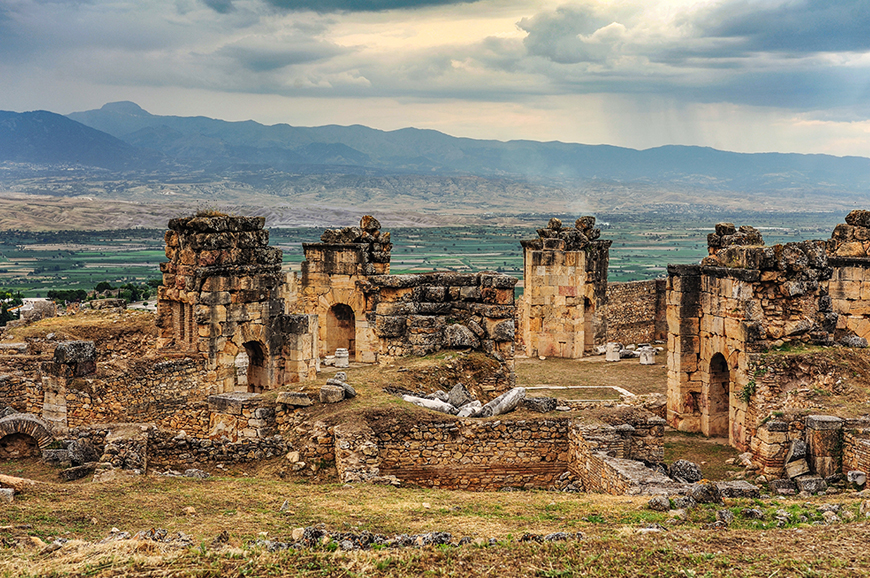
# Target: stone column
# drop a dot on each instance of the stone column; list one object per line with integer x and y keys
{"x": 825, "y": 444}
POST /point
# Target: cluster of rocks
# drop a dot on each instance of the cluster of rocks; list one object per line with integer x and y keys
{"x": 78, "y": 457}
{"x": 336, "y": 389}
{"x": 313, "y": 537}
{"x": 369, "y": 231}
{"x": 851, "y": 239}
{"x": 705, "y": 493}
{"x": 615, "y": 351}
{"x": 459, "y": 402}
{"x": 575, "y": 239}
{"x": 728, "y": 235}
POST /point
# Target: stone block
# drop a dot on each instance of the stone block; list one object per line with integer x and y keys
{"x": 797, "y": 468}
{"x": 331, "y": 394}
{"x": 294, "y": 398}
{"x": 811, "y": 484}
{"x": 824, "y": 422}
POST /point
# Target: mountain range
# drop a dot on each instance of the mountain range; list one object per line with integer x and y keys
{"x": 123, "y": 152}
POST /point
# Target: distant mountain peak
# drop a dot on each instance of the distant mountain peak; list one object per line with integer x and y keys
{"x": 125, "y": 107}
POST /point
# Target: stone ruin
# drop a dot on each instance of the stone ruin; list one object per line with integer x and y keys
{"x": 565, "y": 285}
{"x": 223, "y": 297}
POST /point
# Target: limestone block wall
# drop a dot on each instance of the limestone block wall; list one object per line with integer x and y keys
{"x": 241, "y": 416}
{"x": 636, "y": 311}
{"x": 849, "y": 289}
{"x": 856, "y": 450}
{"x": 737, "y": 303}
{"x": 421, "y": 314}
{"x": 478, "y": 455}
{"x": 223, "y": 297}
{"x": 564, "y": 293}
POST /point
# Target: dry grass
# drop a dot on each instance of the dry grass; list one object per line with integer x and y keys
{"x": 594, "y": 371}
{"x": 709, "y": 453}
{"x": 248, "y": 507}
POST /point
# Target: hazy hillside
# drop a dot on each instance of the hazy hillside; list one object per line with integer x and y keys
{"x": 47, "y": 138}
{"x": 353, "y": 148}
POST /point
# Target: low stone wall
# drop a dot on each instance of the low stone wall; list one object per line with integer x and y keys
{"x": 856, "y": 450}
{"x": 636, "y": 311}
{"x": 485, "y": 455}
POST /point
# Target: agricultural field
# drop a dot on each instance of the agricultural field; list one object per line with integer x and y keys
{"x": 643, "y": 246}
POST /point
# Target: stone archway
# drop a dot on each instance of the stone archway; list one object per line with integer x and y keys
{"x": 717, "y": 399}
{"x": 257, "y": 375}
{"x": 341, "y": 329}
{"x": 23, "y": 435}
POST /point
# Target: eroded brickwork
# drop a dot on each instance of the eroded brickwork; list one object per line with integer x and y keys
{"x": 635, "y": 311}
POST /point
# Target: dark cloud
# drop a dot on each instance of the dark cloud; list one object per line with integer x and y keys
{"x": 359, "y": 5}
{"x": 558, "y": 35}
{"x": 264, "y": 58}
{"x": 800, "y": 27}
{"x": 220, "y": 6}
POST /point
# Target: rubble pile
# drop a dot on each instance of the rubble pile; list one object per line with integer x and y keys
{"x": 575, "y": 239}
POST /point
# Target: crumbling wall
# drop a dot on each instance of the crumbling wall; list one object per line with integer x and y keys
{"x": 742, "y": 299}
{"x": 856, "y": 450}
{"x": 328, "y": 286}
{"x": 223, "y": 297}
{"x": 562, "y": 313}
{"x": 421, "y": 314}
{"x": 635, "y": 311}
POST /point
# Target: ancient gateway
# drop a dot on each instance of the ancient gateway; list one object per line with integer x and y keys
{"x": 232, "y": 325}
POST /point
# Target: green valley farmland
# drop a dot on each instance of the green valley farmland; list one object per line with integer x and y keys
{"x": 643, "y": 246}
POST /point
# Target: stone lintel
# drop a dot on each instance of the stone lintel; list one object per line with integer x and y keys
{"x": 824, "y": 422}
{"x": 684, "y": 270}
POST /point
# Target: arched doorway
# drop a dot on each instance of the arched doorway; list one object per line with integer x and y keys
{"x": 18, "y": 445}
{"x": 257, "y": 377}
{"x": 341, "y": 329}
{"x": 718, "y": 398}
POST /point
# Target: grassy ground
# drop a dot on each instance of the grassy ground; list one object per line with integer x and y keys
{"x": 594, "y": 371}
{"x": 248, "y": 509}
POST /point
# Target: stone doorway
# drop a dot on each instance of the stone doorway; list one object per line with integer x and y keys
{"x": 341, "y": 329}
{"x": 18, "y": 445}
{"x": 256, "y": 373}
{"x": 714, "y": 416}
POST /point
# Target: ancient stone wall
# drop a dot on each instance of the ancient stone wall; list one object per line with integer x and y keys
{"x": 486, "y": 455}
{"x": 742, "y": 299}
{"x": 421, "y": 314}
{"x": 856, "y": 450}
{"x": 223, "y": 297}
{"x": 564, "y": 292}
{"x": 328, "y": 288}
{"x": 635, "y": 311}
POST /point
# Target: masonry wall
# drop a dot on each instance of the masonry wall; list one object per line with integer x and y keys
{"x": 477, "y": 455}
{"x": 849, "y": 289}
{"x": 856, "y": 450}
{"x": 635, "y": 311}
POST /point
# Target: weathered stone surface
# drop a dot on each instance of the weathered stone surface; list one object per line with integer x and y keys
{"x": 56, "y": 457}
{"x": 369, "y": 224}
{"x": 852, "y": 340}
{"x": 724, "y": 517}
{"x": 797, "y": 451}
{"x": 685, "y": 471}
{"x": 294, "y": 398}
{"x": 342, "y": 357}
{"x": 706, "y": 493}
{"x": 459, "y": 396}
{"x": 613, "y": 351}
{"x": 504, "y": 403}
{"x": 7, "y": 495}
{"x": 82, "y": 451}
{"x": 470, "y": 409}
{"x": 504, "y": 330}
{"x": 811, "y": 484}
{"x": 783, "y": 487}
{"x": 856, "y": 477}
{"x": 433, "y": 404}
{"x": 738, "y": 489}
{"x": 78, "y": 472}
{"x": 540, "y": 404}
{"x": 659, "y": 503}
{"x": 331, "y": 394}
{"x": 797, "y": 468}
{"x": 459, "y": 336}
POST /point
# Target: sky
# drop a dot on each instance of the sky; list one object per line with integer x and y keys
{"x": 741, "y": 75}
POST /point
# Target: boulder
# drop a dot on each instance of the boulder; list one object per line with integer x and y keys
{"x": 811, "y": 484}
{"x": 503, "y": 330}
{"x": 539, "y": 404}
{"x": 797, "y": 468}
{"x": 504, "y": 403}
{"x": 856, "y": 477}
{"x": 685, "y": 471}
{"x": 369, "y": 224}
{"x": 782, "y": 487}
{"x": 738, "y": 489}
{"x": 659, "y": 503}
{"x": 459, "y": 396}
{"x": 853, "y": 340}
{"x": 724, "y": 516}
{"x": 7, "y": 495}
{"x": 706, "y": 493}
{"x": 331, "y": 394}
